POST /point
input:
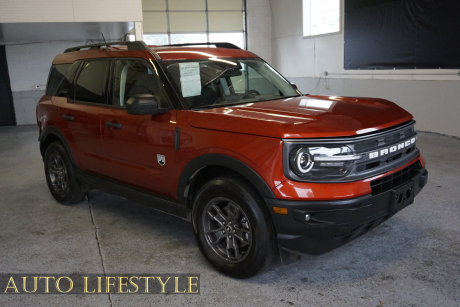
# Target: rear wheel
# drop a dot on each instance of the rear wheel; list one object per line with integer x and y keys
{"x": 233, "y": 228}
{"x": 60, "y": 175}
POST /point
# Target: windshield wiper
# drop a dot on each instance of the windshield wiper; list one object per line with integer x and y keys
{"x": 211, "y": 106}
{"x": 278, "y": 98}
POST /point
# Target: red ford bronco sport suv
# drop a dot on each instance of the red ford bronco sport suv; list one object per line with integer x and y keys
{"x": 213, "y": 134}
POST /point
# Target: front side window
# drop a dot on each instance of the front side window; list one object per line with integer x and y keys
{"x": 92, "y": 81}
{"x": 223, "y": 82}
{"x": 133, "y": 77}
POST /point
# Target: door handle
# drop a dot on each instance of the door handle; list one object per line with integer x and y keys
{"x": 68, "y": 117}
{"x": 114, "y": 125}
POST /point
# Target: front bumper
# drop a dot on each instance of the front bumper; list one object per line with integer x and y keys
{"x": 334, "y": 223}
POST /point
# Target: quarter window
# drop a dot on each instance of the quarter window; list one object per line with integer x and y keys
{"x": 57, "y": 73}
{"x": 65, "y": 87}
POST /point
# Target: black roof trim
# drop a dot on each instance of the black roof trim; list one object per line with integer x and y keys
{"x": 137, "y": 45}
{"x": 218, "y": 45}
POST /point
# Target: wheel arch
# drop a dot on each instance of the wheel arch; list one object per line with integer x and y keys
{"x": 209, "y": 166}
{"x": 49, "y": 135}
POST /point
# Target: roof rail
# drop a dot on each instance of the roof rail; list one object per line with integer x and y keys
{"x": 137, "y": 45}
{"x": 218, "y": 45}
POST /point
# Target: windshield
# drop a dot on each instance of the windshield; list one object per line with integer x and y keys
{"x": 214, "y": 83}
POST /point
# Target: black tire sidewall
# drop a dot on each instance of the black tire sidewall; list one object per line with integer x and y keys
{"x": 263, "y": 242}
{"x": 73, "y": 192}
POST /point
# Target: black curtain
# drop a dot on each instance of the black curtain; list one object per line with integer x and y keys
{"x": 402, "y": 34}
{"x": 7, "y": 117}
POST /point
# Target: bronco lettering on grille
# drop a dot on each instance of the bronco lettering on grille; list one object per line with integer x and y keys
{"x": 386, "y": 151}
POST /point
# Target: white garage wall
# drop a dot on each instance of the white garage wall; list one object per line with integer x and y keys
{"x": 259, "y": 21}
{"x": 432, "y": 96}
{"x": 28, "y": 66}
{"x": 14, "y": 11}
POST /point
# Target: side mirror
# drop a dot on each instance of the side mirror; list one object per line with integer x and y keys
{"x": 144, "y": 104}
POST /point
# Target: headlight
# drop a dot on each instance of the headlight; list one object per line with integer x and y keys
{"x": 314, "y": 162}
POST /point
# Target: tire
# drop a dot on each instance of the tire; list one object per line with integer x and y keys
{"x": 60, "y": 175}
{"x": 233, "y": 228}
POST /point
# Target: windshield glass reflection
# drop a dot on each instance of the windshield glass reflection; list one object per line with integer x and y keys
{"x": 215, "y": 82}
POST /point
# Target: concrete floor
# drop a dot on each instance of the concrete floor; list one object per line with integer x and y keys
{"x": 411, "y": 260}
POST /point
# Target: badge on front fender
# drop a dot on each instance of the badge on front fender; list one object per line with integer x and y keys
{"x": 161, "y": 160}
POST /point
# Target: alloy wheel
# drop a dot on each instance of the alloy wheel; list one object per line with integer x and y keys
{"x": 58, "y": 174}
{"x": 227, "y": 229}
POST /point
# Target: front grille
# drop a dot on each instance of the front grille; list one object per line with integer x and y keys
{"x": 394, "y": 180}
{"x": 385, "y": 160}
{"x": 376, "y": 144}
{"x": 384, "y": 140}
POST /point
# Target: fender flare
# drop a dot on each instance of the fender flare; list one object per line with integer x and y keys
{"x": 51, "y": 130}
{"x": 194, "y": 166}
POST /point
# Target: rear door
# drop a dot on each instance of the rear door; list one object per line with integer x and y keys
{"x": 139, "y": 148}
{"x": 81, "y": 111}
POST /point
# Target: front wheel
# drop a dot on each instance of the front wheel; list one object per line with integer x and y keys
{"x": 233, "y": 228}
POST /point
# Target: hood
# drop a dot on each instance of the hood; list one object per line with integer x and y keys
{"x": 303, "y": 117}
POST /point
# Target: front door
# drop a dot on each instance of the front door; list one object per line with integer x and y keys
{"x": 139, "y": 149}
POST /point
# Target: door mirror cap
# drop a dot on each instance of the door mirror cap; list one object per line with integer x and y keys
{"x": 144, "y": 104}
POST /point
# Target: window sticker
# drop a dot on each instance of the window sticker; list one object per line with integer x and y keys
{"x": 190, "y": 79}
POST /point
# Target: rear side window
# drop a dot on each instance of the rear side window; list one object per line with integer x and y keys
{"x": 57, "y": 73}
{"x": 91, "y": 82}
